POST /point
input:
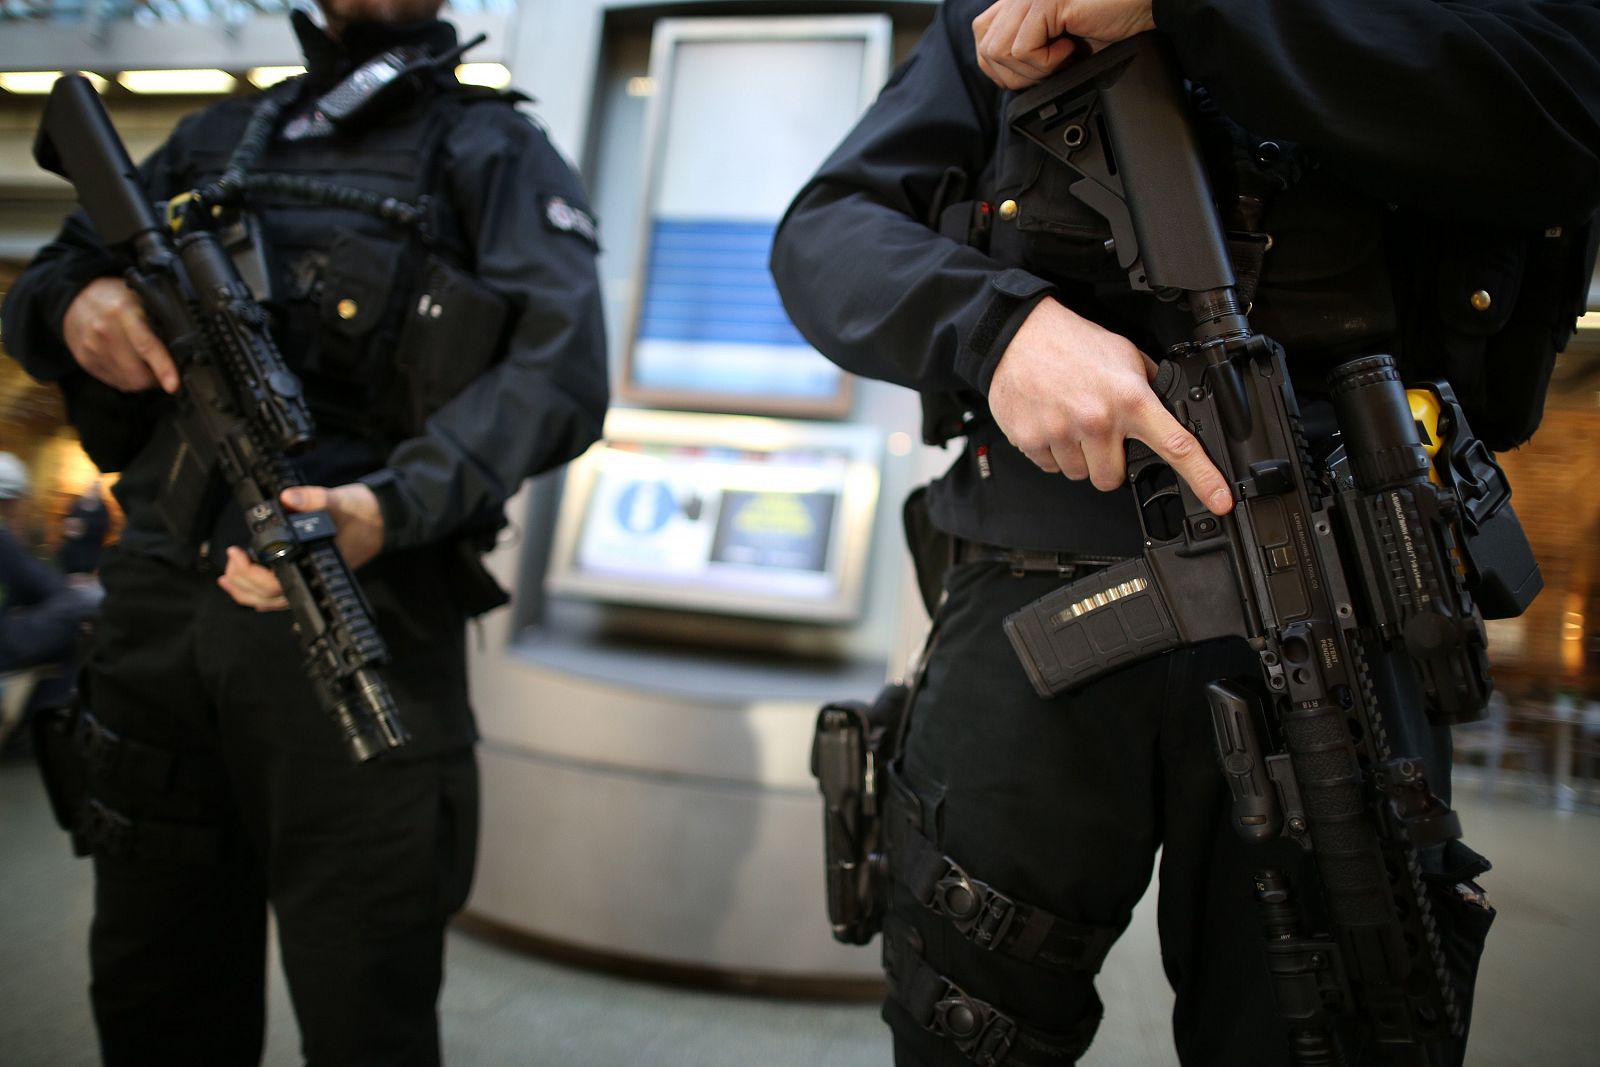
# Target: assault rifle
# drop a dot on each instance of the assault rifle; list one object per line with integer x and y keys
{"x": 239, "y": 412}
{"x": 1352, "y": 577}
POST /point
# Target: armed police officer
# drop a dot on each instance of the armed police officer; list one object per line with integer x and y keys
{"x": 426, "y": 260}
{"x": 1367, "y": 157}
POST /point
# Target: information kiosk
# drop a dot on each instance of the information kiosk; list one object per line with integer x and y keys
{"x": 729, "y": 557}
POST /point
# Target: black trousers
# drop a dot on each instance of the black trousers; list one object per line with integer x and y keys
{"x": 362, "y": 865}
{"x": 1063, "y": 804}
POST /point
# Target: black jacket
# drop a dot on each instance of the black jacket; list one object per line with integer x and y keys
{"x": 1468, "y": 110}
{"x": 496, "y": 178}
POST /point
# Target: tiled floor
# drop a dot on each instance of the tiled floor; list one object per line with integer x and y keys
{"x": 1537, "y": 999}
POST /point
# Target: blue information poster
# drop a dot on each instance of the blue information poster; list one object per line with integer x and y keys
{"x": 745, "y": 111}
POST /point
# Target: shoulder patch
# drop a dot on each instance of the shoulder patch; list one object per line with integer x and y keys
{"x": 563, "y": 217}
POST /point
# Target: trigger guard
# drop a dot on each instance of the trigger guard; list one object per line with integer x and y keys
{"x": 1166, "y": 371}
{"x": 1140, "y": 456}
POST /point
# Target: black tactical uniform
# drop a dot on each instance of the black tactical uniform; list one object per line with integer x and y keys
{"x": 897, "y": 261}
{"x": 217, "y": 785}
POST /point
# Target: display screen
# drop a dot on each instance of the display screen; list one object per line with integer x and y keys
{"x": 738, "y": 520}
{"x": 771, "y": 528}
{"x": 744, "y": 111}
{"x": 711, "y": 321}
{"x": 784, "y": 531}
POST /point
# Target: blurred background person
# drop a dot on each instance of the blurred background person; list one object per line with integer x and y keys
{"x": 83, "y": 533}
{"x": 39, "y": 616}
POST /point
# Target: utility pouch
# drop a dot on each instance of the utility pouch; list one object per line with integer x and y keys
{"x": 356, "y": 294}
{"x": 453, "y": 332}
{"x": 850, "y": 756}
{"x": 1495, "y": 308}
{"x": 357, "y": 287}
{"x": 1039, "y": 224}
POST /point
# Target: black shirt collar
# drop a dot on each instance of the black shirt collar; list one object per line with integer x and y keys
{"x": 328, "y": 60}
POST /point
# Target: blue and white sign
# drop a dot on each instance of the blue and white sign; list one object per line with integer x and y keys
{"x": 745, "y": 111}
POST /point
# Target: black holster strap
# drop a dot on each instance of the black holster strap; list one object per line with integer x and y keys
{"x": 985, "y": 1034}
{"x": 993, "y": 920}
{"x": 109, "y": 757}
{"x": 113, "y": 835}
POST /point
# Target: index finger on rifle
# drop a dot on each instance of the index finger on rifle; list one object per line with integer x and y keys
{"x": 148, "y": 347}
{"x": 1155, "y": 426}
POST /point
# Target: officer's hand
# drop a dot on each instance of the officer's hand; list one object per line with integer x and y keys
{"x": 1022, "y": 42}
{"x": 1069, "y": 394}
{"x": 106, "y": 331}
{"x": 356, "y": 516}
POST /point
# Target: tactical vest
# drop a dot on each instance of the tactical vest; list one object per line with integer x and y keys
{"x": 345, "y": 283}
{"x": 1330, "y": 272}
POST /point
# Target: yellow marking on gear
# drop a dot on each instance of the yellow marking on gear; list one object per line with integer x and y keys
{"x": 1425, "y": 411}
{"x": 175, "y": 210}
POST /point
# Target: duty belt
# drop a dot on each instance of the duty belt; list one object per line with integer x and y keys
{"x": 1064, "y": 565}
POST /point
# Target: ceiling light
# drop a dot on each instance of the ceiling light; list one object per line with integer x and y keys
{"x": 492, "y": 75}
{"x": 261, "y": 77}
{"x": 39, "y": 81}
{"x": 176, "y": 81}
{"x": 28, "y": 81}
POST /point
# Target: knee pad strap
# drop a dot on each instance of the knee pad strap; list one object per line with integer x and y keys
{"x": 990, "y": 919}
{"x": 985, "y": 1034}
{"x": 112, "y": 835}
